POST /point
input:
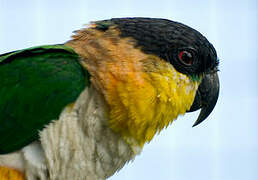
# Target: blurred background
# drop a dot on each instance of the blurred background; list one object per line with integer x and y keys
{"x": 225, "y": 146}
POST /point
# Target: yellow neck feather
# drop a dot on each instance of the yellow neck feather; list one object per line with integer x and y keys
{"x": 144, "y": 93}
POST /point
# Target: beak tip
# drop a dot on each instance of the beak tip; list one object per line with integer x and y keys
{"x": 197, "y": 122}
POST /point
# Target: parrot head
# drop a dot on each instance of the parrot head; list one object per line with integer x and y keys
{"x": 185, "y": 48}
{"x": 150, "y": 71}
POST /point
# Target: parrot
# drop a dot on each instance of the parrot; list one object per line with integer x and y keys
{"x": 83, "y": 109}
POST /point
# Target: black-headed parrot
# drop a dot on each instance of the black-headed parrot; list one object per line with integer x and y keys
{"x": 82, "y": 109}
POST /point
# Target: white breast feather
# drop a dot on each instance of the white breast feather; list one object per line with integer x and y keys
{"x": 80, "y": 145}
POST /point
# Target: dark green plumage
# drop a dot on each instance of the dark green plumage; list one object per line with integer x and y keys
{"x": 35, "y": 85}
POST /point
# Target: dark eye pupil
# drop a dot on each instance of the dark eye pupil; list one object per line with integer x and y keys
{"x": 186, "y": 57}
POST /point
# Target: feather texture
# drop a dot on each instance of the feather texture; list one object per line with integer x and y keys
{"x": 80, "y": 145}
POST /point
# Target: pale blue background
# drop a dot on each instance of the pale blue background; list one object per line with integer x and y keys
{"x": 224, "y": 147}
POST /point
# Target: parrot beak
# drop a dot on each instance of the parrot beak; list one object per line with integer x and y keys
{"x": 206, "y": 96}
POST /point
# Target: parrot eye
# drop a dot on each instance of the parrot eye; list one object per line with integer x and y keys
{"x": 186, "y": 57}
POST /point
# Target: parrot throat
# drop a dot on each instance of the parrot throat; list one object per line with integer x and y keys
{"x": 143, "y": 92}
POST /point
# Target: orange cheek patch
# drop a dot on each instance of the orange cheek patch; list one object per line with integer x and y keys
{"x": 10, "y": 174}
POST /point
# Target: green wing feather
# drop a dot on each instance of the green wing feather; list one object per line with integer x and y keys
{"x": 35, "y": 85}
